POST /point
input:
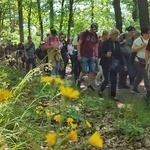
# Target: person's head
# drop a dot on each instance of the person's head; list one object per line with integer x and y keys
{"x": 42, "y": 45}
{"x": 136, "y": 34}
{"x": 53, "y": 32}
{"x": 145, "y": 31}
{"x": 94, "y": 27}
{"x": 114, "y": 33}
{"x": 29, "y": 38}
{"x": 105, "y": 35}
{"x": 62, "y": 36}
{"x": 130, "y": 30}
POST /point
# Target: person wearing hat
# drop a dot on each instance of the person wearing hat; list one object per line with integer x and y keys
{"x": 30, "y": 54}
{"x": 87, "y": 53}
{"x": 126, "y": 41}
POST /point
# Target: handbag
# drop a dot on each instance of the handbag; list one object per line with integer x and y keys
{"x": 114, "y": 65}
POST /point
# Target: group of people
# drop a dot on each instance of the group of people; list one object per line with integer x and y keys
{"x": 118, "y": 56}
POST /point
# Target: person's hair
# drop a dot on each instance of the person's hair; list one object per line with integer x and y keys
{"x": 130, "y": 28}
{"x": 114, "y": 31}
{"x": 145, "y": 30}
{"x": 29, "y": 37}
{"x": 53, "y": 32}
{"x": 105, "y": 32}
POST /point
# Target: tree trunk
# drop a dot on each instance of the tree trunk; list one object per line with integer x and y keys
{"x": 21, "y": 31}
{"x": 92, "y": 11}
{"x": 40, "y": 19}
{"x": 51, "y": 3}
{"x": 29, "y": 18}
{"x": 143, "y": 13}
{"x": 118, "y": 18}
{"x": 135, "y": 10}
{"x": 70, "y": 16}
{"x": 62, "y": 15}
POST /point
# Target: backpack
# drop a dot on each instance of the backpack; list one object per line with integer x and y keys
{"x": 85, "y": 33}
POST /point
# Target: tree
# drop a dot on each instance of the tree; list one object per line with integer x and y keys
{"x": 143, "y": 13}
{"x": 118, "y": 18}
{"x": 70, "y": 16}
{"x": 40, "y": 19}
{"x": 20, "y": 15}
{"x": 51, "y": 4}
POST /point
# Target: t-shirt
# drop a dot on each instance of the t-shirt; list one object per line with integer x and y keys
{"x": 75, "y": 41}
{"x": 141, "y": 52}
{"x": 89, "y": 41}
{"x": 52, "y": 40}
{"x": 70, "y": 49}
{"x": 148, "y": 46}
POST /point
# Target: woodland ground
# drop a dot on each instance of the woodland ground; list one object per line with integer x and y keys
{"x": 123, "y": 125}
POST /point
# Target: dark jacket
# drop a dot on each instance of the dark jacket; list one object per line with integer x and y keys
{"x": 116, "y": 53}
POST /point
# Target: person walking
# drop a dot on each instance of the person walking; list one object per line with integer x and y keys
{"x": 126, "y": 41}
{"x": 88, "y": 53}
{"x": 139, "y": 46}
{"x": 110, "y": 50}
{"x": 30, "y": 54}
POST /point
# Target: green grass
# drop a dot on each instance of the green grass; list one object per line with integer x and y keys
{"x": 22, "y": 128}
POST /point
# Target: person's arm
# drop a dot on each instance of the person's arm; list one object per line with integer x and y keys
{"x": 136, "y": 48}
{"x": 78, "y": 49}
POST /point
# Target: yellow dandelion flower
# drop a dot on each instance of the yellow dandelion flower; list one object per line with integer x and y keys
{"x": 4, "y": 95}
{"x": 47, "y": 79}
{"x": 73, "y": 126}
{"x": 59, "y": 80}
{"x": 57, "y": 118}
{"x": 69, "y": 92}
{"x": 51, "y": 139}
{"x": 88, "y": 124}
{"x": 96, "y": 140}
{"x": 48, "y": 113}
{"x": 70, "y": 120}
{"x": 39, "y": 109}
{"x": 73, "y": 136}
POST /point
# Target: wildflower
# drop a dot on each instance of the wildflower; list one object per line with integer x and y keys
{"x": 39, "y": 109}
{"x": 73, "y": 126}
{"x": 70, "y": 120}
{"x": 4, "y": 95}
{"x": 69, "y": 92}
{"x": 96, "y": 140}
{"x": 59, "y": 81}
{"x": 47, "y": 79}
{"x": 51, "y": 139}
{"x": 88, "y": 124}
{"x": 73, "y": 136}
{"x": 57, "y": 118}
{"x": 48, "y": 113}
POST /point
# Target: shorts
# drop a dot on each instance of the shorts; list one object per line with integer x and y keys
{"x": 88, "y": 65}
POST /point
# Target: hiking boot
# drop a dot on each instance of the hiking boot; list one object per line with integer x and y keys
{"x": 91, "y": 87}
{"x": 78, "y": 83}
{"x": 135, "y": 91}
